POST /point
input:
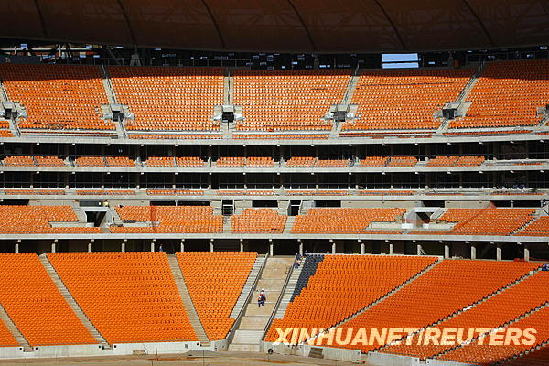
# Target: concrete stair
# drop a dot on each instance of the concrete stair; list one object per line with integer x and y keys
{"x": 351, "y": 87}
{"x": 19, "y": 337}
{"x": 186, "y": 298}
{"x": 290, "y": 221}
{"x": 288, "y": 293}
{"x": 72, "y": 302}
{"x": 249, "y": 335}
{"x": 248, "y": 287}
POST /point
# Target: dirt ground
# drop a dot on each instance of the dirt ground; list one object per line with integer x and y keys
{"x": 195, "y": 359}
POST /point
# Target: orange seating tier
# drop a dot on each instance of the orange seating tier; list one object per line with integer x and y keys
{"x": 37, "y": 219}
{"x": 489, "y": 221}
{"x": 169, "y": 99}
{"x": 449, "y": 286}
{"x": 119, "y": 161}
{"x": 258, "y": 220}
{"x": 129, "y": 297}
{"x": 484, "y": 354}
{"x": 287, "y": 100}
{"x": 84, "y": 161}
{"x": 215, "y": 282}
{"x": 6, "y": 338}
{"x": 169, "y": 219}
{"x": 539, "y": 227}
{"x": 57, "y": 97}
{"x": 404, "y": 99}
{"x": 19, "y": 161}
{"x": 35, "y": 305}
{"x": 49, "y": 161}
{"x": 344, "y": 284}
{"x": 451, "y": 161}
{"x": 343, "y": 220}
{"x": 508, "y": 93}
{"x": 498, "y": 310}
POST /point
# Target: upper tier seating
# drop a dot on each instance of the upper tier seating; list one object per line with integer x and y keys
{"x": 189, "y": 161}
{"x": 451, "y": 161}
{"x": 402, "y": 161}
{"x": 287, "y": 100}
{"x": 449, "y": 286}
{"x": 539, "y": 227}
{"x": 169, "y": 219}
{"x": 231, "y": 161}
{"x": 301, "y": 161}
{"x": 35, "y": 305}
{"x": 57, "y": 97}
{"x": 538, "y": 357}
{"x": 172, "y": 99}
{"x": 18, "y": 161}
{"x": 404, "y": 99}
{"x": 497, "y": 310}
{"x": 160, "y": 161}
{"x": 344, "y": 284}
{"x": 343, "y": 220}
{"x": 119, "y": 161}
{"x": 374, "y": 161}
{"x": 129, "y": 297}
{"x": 484, "y": 354}
{"x": 84, "y": 161}
{"x": 258, "y": 220}
{"x": 507, "y": 94}
{"x": 49, "y": 161}
{"x": 215, "y": 282}
{"x": 36, "y": 219}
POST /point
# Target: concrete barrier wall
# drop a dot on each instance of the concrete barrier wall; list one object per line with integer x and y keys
{"x": 335, "y": 354}
{"x": 386, "y": 359}
{"x": 119, "y": 349}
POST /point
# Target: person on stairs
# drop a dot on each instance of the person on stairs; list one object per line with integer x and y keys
{"x": 261, "y": 298}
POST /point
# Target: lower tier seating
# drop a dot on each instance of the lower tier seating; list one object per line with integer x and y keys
{"x": 215, "y": 282}
{"x": 450, "y": 286}
{"x": 35, "y": 304}
{"x": 129, "y": 297}
{"x": 344, "y": 284}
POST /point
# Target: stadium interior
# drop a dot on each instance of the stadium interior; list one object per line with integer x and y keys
{"x": 148, "y": 195}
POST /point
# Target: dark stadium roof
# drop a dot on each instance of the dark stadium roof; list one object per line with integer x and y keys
{"x": 344, "y": 26}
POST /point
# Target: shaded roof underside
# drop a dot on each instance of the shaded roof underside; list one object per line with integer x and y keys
{"x": 283, "y": 25}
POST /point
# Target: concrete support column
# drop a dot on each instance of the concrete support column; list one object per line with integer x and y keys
{"x": 419, "y": 249}
{"x": 473, "y": 251}
{"x": 211, "y": 245}
{"x": 362, "y": 247}
{"x": 498, "y": 252}
{"x": 241, "y": 245}
{"x": 300, "y": 247}
{"x": 182, "y": 245}
{"x": 446, "y": 251}
{"x": 152, "y": 246}
{"x": 17, "y": 246}
{"x": 54, "y": 246}
{"x": 90, "y": 246}
{"x": 526, "y": 253}
{"x": 123, "y": 246}
{"x": 334, "y": 249}
{"x": 391, "y": 248}
{"x": 271, "y": 247}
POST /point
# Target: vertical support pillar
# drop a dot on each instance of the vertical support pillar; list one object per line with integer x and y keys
{"x": 391, "y": 248}
{"x": 419, "y": 249}
{"x": 17, "y": 246}
{"x": 300, "y": 247}
{"x": 334, "y": 249}
{"x": 362, "y": 247}
{"x": 446, "y": 251}
{"x": 211, "y": 245}
{"x": 271, "y": 247}
{"x": 498, "y": 252}
{"x": 54, "y": 246}
{"x": 473, "y": 251}
{"x": 90, "y": 246}
{"x": 241, "y": 245}
{"x": 153, "y": 245}
{"x": 182, "y": 245}
{"x": 123, "y": 246}
{"x": 526, "y": 253}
